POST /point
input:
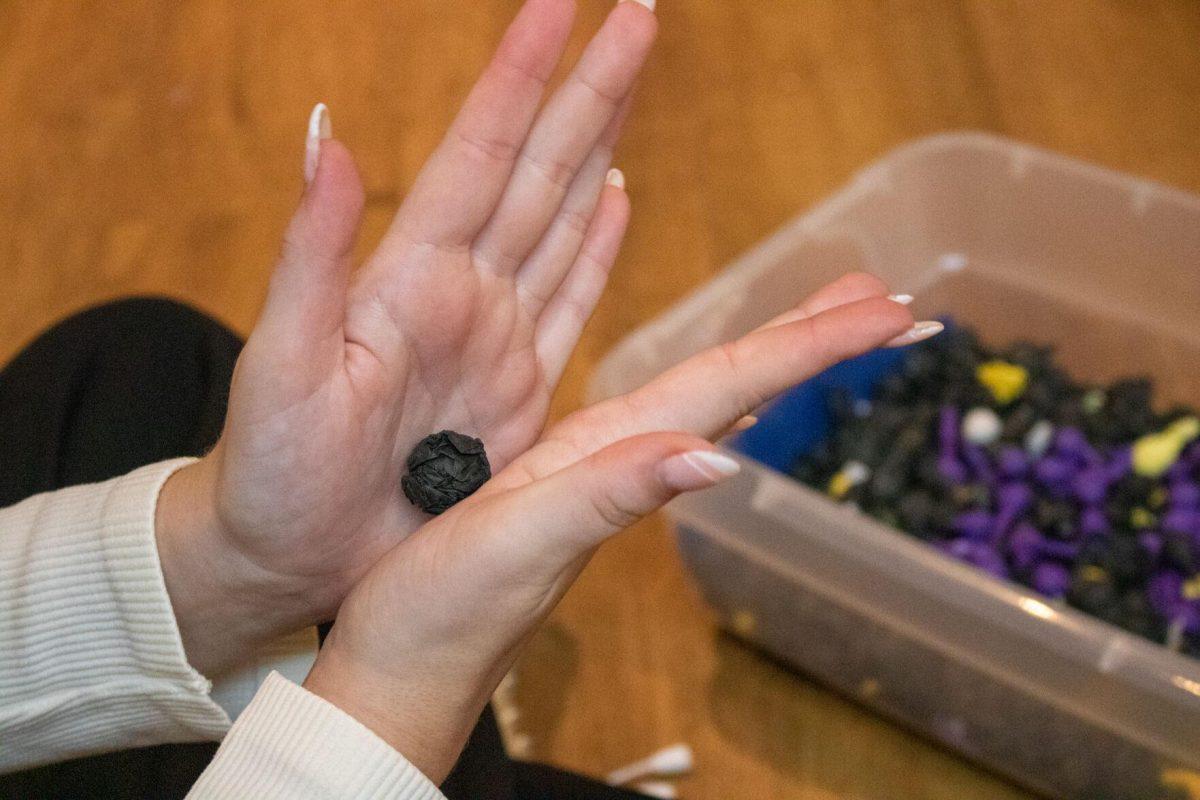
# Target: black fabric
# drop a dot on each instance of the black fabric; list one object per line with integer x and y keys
{"x": 124, "y": 385}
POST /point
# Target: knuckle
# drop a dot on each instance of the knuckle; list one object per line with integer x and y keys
{"x": 608, "y": 96}
{"x": 817, "y": 338}
{"x": 516, "y": 62}
{"x": 576, "y": 221}
{"x": 556, "y": 171}
{"x": 747, "y": 395}
{"x": 612, "y": 512}
{"x": 487, "y": 148}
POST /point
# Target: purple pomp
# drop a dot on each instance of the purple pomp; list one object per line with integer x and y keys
{"x": 950, "y": 467}
{"x": 959, "y": 548}
{"x": 1065, "y": 551}
{"x": 1165, "y": 595}
{"x": 1055, "y": 474}
{"x": 979, "y": 555}
{"x": 979, "y": 464}
{"x": 1119, "y": 464}
{"x": 1180, "y": 471}
{"x": 1012, "y": 501}
{"x": 1182, "y": 520}
{"x": 1072, "y": 443}
{"x": 1091, "y": 485}
{"x": 948, "y": 424}
{"x": 1152, "y": 543}
{"x": 1012, "y": 462}
{"x": 952, "y": 470}
{"x": 1025, "y": 545}
{"x": 1184, "y": 494}
{"x": 974, "y": 525}
{"x": 991, "y": 562}
{"x": 1093, "y": 522}
{"x": 1051, "y": 579}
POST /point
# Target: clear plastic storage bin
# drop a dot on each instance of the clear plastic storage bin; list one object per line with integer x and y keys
{"x": 1019, "y": 244}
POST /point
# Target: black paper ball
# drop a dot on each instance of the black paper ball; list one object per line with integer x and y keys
{"x": 444, "y": 469}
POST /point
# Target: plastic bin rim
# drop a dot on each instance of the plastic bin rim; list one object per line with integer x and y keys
{"x": 814, "y": 219}
{"x": 979, "y": 140}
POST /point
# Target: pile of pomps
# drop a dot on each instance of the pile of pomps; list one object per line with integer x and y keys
{"x": 1082, "y": 493}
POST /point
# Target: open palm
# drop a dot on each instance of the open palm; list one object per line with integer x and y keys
{"x": 425, "y": 636}
{"x": 462, "y": 319}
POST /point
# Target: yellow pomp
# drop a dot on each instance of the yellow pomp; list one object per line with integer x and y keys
{"x": 1005, "y": 381}
{"x": 1154, "y": 453}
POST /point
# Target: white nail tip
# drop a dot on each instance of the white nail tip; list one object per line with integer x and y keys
{"x": 615, "y": 178}
{"x": 711, "y": 464}
{"x": 647, "y": 3}
{"x": 319, "y": 129}
{"x": 657, "y": 789}
{"x": 918, "y": 333}
{"x": 670, "y": 762}
{"x": 902, "y": 299}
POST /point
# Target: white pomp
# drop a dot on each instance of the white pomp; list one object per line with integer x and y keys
{"x": 674, "y": 760}
{"x": 981, "y": 426}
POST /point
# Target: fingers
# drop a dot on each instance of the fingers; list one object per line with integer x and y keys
{"x": 846, "y": 289}
{"x": 563, "y": 516}
{"x": 565, "y": 134}
{"x": 459, "y": 187}
{"x": 543, "y": 272}
{"x": 710, "y": 391}
{"x": 307, "y": 295}
{"x": 562, "y": 323}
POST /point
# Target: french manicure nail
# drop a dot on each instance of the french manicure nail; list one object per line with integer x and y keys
{"x": 319, "y": 129}
{"x": 615, "y": 178}
{"x": 698, "y": 469}
{"x": 745, "y": 423}
{"x": 661, "y": 790}
{"x": 902, "y": 299}
{"x": 918, "y": 333}
{"x": 647, "y": 3}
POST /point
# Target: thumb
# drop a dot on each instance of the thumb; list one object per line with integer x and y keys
{"x": 569, "y": 513}
{"x": 307, "y": 297}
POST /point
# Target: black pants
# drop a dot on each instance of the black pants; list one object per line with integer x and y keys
{"x": 125, "y": 385}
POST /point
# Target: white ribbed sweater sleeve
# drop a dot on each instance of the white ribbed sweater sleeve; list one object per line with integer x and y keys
{"x": 91, "y": 660}
{"x": 290, "y": 744}
{"x": 90, "y": 655}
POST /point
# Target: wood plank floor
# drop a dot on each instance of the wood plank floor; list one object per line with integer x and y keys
{"x": 155, "y": 147}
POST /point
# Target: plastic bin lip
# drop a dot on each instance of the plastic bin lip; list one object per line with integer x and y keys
{"x": 1019, "y": 153}
{"x": 814, "y": 221}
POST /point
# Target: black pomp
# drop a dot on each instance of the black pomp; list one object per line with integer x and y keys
{"x": 444, "y": 469}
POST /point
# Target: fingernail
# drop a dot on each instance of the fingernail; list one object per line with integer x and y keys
{"x": 745, "y": 423}
{"x": 918, "y": 333}
{"x": 661, "y": 790}
{"x": 615, "y": 178}
{"x": 698, "y": 469}
{"x": 319, "y": 129}
{"x": 902, "y": 299}
{"x": 647, "y": 3}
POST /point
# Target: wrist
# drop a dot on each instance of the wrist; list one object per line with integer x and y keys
{"x": 225, "y": 606}
{"x": 423, "y": 716}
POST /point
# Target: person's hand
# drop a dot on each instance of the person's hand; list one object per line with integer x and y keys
{"x": 462, "y": 319}
{"x": 425, "y": 637}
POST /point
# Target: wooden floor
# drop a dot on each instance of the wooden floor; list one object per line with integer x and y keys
{"x": 156, "y": 147}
